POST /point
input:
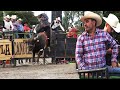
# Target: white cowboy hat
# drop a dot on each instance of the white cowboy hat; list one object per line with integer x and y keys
{"x": 118, "y": 28}
{"x": 89, "y": 14}
{"x": 113, "y": 21}
{"x": 7, "y": 17}
{"x": 59, "y": 18}
{"x": 13, "y": 16}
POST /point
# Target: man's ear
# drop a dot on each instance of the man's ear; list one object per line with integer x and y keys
{"x": 106, "y": 24}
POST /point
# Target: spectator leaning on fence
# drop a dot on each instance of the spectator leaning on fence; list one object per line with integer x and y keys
{"x": 33, "y": 27}
{"x": 14, "y": 22}
{"x": 72, "y": 32}
{"x": 27, "y": 30}
{"x": 7, "y": 25}
{"x": 14, "y": 25}
{"x": 20, "y": 28}
{"x": 112, "y": 24}
{"x": 26, "y": 27}
{"x": 91, "y": 44}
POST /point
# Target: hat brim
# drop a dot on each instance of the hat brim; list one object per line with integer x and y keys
{"x": 98, "y": 19}
{"x": 116, "y": 29}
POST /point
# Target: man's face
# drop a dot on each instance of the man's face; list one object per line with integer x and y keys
{"x": 89, "y": 25}
{"x": 109, "y": 28}
{"x": 7, "y": 19}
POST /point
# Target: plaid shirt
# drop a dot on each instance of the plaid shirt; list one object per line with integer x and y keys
{"x": 90, "y": 52}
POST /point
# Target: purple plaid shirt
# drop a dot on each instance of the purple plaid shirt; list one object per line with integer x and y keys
{"x": 90, "y": 52}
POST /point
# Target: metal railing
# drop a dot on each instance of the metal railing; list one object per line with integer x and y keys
{"x": 100, "y": 73}
{"x": 16, "y": 35}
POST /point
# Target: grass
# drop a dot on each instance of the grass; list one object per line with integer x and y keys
{"x": 111, "y": 77}
{"x": 114, "y": 77}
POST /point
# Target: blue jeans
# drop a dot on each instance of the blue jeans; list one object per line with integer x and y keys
{"x": 114, "y": 71}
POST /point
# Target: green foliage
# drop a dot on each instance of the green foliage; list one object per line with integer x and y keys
{"x": 1, "y": 17}
{"x": 70, "y": 18}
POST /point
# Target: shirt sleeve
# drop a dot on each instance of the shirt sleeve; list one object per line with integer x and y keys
{"x": 79, "y": 53}
{"x": 114, "y": 46}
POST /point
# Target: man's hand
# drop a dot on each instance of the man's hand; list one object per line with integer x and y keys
{"x": 114, "y": 64}
{"x": 109, "y": 51}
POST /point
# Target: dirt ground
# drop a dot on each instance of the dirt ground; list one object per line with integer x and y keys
{"x": 48, "y": 71}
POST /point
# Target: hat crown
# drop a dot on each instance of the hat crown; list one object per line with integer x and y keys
{"x": 13, "y": 16}
{"x": 7, "y": 16}
{"x": 59, "y": 19}
{"x": 87, "y": 13}
{"x": 113, "y": 20}
{"x": 92, "y": 15}
{"x": 20, "y": 19}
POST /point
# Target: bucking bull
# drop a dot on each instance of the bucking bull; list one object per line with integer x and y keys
{"x": 38, "y": 45}
{"x": 40, "y": 42}
{"x": 41, "y": 39}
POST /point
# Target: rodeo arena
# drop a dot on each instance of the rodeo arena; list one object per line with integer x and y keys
{"x": 44, "y": 51}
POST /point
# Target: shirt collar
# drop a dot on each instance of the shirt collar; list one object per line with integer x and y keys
{"x": 96, "y": 31}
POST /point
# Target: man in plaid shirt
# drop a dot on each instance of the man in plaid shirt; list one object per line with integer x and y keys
{"x": 91, "y": 45}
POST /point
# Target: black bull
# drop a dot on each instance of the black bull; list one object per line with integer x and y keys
{"x": 38, "y": 45}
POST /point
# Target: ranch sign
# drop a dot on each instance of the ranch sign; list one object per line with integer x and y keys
{"x": 20, "y": 49}
{"x": 5, "y": 49}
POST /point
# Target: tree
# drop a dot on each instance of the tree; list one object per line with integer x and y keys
{"x": 72, "y": 18}
{"x": 1, "y": 17}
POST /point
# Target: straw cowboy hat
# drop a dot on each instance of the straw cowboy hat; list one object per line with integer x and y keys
{"x": 20, "y": 19}
{"x": 89, "y": 14}
{"x": 113, "y": 21}
{"x": 14, "y": 17}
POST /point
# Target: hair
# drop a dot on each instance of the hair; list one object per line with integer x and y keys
{"x": 44, "y": 15}
{"x": 94, "y": 20}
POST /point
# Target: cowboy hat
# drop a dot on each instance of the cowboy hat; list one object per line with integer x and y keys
{"x": 89, "y": 14}
{"x": 7, "y": 17}
{"x": 118, "y": 28}
{"x": 58, "y": 19}
{"x": 20, "y": 19}
{"x": 13, "y": 16}
{"x": 113, "y": 21}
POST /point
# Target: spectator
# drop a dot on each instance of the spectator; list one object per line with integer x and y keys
{"x": 14, "y": 25}
{"x": 112, "y": 24}
{"x": 20, "y": 28}
{"x": 72, "y": 32}
{"x": 7, "y": 25}
{"x": 27, "y": 30}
